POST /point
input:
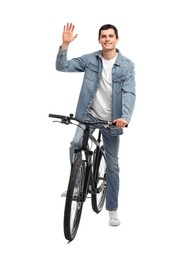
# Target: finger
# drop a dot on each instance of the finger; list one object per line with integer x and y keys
{"x": 71, "y": 27}
{"x": 67, "y": 27}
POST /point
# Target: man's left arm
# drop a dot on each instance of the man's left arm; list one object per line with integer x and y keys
{"x": 129, "y": 94}
{"x": 128, "y": 99}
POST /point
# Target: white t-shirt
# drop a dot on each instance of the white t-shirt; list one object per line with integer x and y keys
{"x": 102, "y": 103}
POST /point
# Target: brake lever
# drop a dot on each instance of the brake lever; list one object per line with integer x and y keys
{"x": 66, "y": 122}
{"x": 55, "y": 121}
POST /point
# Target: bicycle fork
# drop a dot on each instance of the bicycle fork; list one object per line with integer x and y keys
{"x": 87, "y": 169}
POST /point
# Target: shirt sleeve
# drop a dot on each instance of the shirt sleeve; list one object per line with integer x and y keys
{"x": 129, "y": 94}
{"x": 65, "y": 65}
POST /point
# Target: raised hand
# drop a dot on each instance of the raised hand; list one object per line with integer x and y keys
{"x": 68, "y": 36}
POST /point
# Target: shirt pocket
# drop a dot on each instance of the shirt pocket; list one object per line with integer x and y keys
{"x": 118, "y": 85}
{"x": 119, "y": 79}
{"x": 91, "y": 72}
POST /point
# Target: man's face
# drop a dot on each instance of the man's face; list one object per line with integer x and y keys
{"x": 108, "y": 39}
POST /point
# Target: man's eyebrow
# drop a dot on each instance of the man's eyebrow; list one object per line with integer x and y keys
{"x": 103, "y": 35}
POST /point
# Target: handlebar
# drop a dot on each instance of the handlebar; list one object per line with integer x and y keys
{"x": 67, "y": 120}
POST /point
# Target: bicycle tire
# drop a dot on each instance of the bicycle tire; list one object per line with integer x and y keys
{"x": 74, "y": 200}
{"x": 99, "y": 178}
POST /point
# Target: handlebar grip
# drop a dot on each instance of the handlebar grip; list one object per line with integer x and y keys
{"x": 56, "y": 116}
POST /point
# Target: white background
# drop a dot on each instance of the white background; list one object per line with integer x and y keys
{"x": 156, "y": 156}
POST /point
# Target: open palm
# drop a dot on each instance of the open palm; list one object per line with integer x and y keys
{"x": 68, "y": 35}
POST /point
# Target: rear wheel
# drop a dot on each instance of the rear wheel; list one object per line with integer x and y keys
{"x": 74, "y": 200}
{"x": 99, "y": 177}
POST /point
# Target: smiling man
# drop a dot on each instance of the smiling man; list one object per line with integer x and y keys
{"x": 107, "y": 93}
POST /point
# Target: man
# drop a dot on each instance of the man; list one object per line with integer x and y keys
{"x": 107, "y": 93}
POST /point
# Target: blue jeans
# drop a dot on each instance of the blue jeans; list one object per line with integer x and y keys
{"x": 111, "y": 146}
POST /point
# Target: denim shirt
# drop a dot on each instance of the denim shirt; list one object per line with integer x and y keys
{"x": 123, "y": 83}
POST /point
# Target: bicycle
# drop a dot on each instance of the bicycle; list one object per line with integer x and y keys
{"x": 87, "y": 175}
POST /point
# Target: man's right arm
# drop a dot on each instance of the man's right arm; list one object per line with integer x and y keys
{"x": 62, "y": 64}
{"x": 72, "y": 65}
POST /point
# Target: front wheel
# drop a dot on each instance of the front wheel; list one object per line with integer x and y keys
{"x": 99, "y": 177}
{"x": 74, "y": 200}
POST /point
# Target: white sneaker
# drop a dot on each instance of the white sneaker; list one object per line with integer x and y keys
{"x": 113, "y": 218}
{"x": 76, "y": 192}
{"x": 64, "y": 194}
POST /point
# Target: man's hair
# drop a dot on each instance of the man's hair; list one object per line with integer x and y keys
{"x": 106, "y": 27}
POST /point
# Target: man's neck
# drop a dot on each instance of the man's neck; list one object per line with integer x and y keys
{"x": 109, "y": 54}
